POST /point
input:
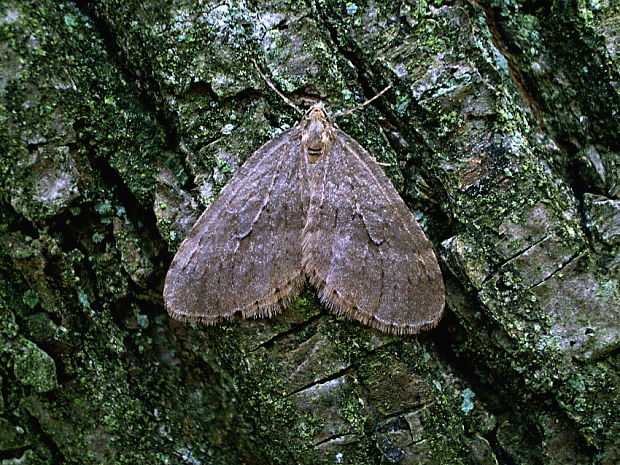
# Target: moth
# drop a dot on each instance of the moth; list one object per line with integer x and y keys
{"x": 310, "y": 204}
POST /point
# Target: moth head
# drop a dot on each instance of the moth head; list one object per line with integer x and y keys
{"x": 317, "y": 133}
{"x": 317, "y": 111}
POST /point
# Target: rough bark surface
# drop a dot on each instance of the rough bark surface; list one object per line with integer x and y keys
{"x": 121, "y": 120}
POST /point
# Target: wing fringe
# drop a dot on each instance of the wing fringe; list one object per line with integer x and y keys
{"x": 330, "y": 297}
{"x": 269, "y": 306}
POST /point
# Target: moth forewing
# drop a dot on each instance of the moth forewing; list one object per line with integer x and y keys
{"x": 363, "y": 249}
{"x": 243, "y": 255}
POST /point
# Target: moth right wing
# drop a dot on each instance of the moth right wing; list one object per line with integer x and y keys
{"x": 362, "y": 247}
{"x": 244, "y": 252}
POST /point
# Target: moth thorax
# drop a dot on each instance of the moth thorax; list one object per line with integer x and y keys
{"x": 316, "y": 139}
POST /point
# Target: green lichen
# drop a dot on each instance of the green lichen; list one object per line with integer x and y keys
{"x": 11, "y": 436}
{"x": 33, "y": 367}
{"x": 117, "y": 129}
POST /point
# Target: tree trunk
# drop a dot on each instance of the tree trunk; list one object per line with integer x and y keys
{"x": 121, "y": 120}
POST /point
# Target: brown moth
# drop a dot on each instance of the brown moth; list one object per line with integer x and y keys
{"x": 309, "y": 204}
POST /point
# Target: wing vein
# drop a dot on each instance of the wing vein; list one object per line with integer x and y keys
{"x": 381, "y": 186}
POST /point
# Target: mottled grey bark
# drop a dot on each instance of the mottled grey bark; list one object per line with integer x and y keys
{"x": 121, "y": 120}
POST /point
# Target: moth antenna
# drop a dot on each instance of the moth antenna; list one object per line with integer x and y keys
{"x": 284, "y": 97}
{"x": 361, "y": 105}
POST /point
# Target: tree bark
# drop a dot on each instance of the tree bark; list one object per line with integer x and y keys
{"x": 122, "y": 120}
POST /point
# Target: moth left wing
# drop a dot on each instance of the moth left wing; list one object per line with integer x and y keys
{"x": 363, "y": 249}
{"x": 243, "y": 255}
